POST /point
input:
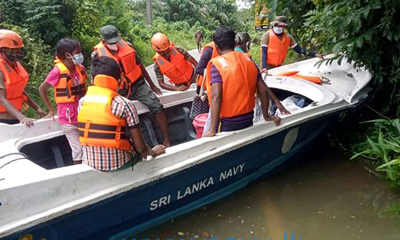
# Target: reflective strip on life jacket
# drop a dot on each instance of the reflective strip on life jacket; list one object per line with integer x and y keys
{"x": 97, "y": 125}
{"x": 125, "y": 57}
{"x": 65, "y": 91}
{"x": 177, "y": 69}
{"x": 15, "y": 80}
{"x": 277, "y": 48}
{"x": 239, "y": 76}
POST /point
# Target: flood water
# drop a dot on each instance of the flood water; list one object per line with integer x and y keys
{"x": 323, "y": 196}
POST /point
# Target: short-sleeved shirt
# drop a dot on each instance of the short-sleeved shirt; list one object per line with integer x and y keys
{"x": 157, "y": 70}
{"x": 204, "y": 59}
{"x": 67, "y": 112}
{"x": 109, "y": 159}
{"x": 237, "y": 120}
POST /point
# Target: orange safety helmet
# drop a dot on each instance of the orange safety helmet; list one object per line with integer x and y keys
{"x": 10, "y": 39}
{"x": 160, "y": 42}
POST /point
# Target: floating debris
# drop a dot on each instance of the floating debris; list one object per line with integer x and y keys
{"x": 181, "y": 234}
{"x": 219, "y": 215}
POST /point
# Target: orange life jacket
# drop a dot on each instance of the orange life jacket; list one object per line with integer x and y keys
{"x": 177, "y": 69}
{"x": 214, "y": 54}
{"x": 15, "y": 80}
{"x": 97, "y": 125}
{"x": 314, "y": 79}
{"x": 277, "y": 49}
{"x": 126, "y": 58}
{"x": 239, "y": 76}
{"x": 65, "y": 91}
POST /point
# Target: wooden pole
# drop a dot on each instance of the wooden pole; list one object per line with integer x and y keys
{"x": 149, "y": 16}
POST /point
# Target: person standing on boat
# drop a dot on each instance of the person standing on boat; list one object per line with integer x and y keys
{"x": 13, "y": 80}
{"x": 242, "y": 44}
{"x": 68, "y": 78}
{"x": 275, "y": 44}
{"x": 133, "y": 74}
{"x": 209, "y": 52}
{"x": 234, "y": 81}
{"x": 174, "y": 62}
{"x": 104, "y": 116}
{"x": 198, "y": 36}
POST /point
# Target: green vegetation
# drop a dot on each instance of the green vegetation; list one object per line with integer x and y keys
{"x": 364, "y": 31}
{"x": 42, "y": 23}
{"x": 368, "y": 33}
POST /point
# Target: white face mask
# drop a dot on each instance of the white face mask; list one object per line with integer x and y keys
{"x": 112, "y": 47}
{"x": 78, "y": 59}
{"x": 278, "y": 30}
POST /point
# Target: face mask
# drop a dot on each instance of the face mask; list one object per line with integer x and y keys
{"x": 15, "y": 57}
{"x": 112, "y": 47}
{"x": 77, "y": 59}
{"x": 278, "y": 30}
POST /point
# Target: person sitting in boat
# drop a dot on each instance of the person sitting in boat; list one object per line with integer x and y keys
{"x": 209, "y": 52}
{"x": 174, "y": 62}
{"x": 134, "y": 75}
{"x": 68, "y": 78}
{"x": 275, "y": 44}
{"x": 234, "y": 80}
{"x": 104, "y": 116}
{"x": 13, "y": 80}
{"x": 242, "y": 44}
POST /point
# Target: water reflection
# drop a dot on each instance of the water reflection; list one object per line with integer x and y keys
{"x": 322, "y": 196}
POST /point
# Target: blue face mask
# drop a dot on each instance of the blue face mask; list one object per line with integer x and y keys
{"x": 77, "y": 59}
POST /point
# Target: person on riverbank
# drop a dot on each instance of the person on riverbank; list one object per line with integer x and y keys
{"x": 242, "y": 44}
{"x": 275, "y": 44}
{"x": 68, "y": 78}
{"x": 174, "y": 62}
{"x": 13, "y": 80}
{"x": 198, "y": 36}
{"x": 104, "y": 116}
{"x": 133, "y": 75}
{"x": 234, "y": 81}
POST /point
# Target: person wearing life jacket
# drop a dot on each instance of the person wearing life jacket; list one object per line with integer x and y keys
{"x": 133, "y": 75}
{"x": 242, "y": 44}
{"x": 68, "y": 79}
{"x": 234, "y": 81}
{"x": 104, "y": 119}
{"x": 174, "y": 62}
{"x": 275, "y": 44}
{"x": 13, "y": 80}
{"x": 209, "y": 52}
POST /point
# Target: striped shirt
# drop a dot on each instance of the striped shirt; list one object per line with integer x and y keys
{"x": 109, "y": 159}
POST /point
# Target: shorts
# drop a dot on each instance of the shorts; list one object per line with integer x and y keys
{"x": 143, "y": 93}
{"x": 72, "y": 134}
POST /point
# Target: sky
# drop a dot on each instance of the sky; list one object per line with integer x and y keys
{"x": 243, "y": 4}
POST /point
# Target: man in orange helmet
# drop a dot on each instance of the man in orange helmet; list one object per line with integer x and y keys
{"x": 133, "y": 75}
{"x": 174, "y": 62}
{"x": 13, "y": 80}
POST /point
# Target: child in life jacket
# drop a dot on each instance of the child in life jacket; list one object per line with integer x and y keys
{"x": 68, "y": 80}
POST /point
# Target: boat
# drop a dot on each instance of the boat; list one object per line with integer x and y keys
{"x": 43, "y": 196}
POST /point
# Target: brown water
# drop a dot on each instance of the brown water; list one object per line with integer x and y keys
{"x": 321, "y": 197}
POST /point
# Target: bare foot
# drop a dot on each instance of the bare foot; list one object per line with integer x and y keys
{"x": 158, "y": 149}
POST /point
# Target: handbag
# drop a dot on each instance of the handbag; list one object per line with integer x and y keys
{"x": 200, "y": 103}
